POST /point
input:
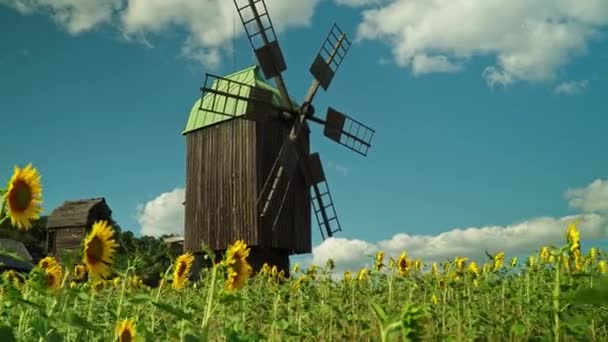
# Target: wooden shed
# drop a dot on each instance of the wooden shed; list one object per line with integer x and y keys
{"x": 68, "y": 225}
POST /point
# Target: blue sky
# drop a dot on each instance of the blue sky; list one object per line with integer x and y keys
{"x": 481, "y": 120}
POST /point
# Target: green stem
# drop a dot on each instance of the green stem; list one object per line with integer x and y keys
{"x": 205, "y": 323}
{"x": 556, "y": 308}
{"x": 390, "y": 289}
{"x": 122, "y": 291}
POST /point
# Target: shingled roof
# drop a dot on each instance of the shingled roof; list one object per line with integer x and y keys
{"x": 75, "y": 213}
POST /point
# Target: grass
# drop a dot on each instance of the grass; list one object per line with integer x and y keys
{"x": 556, "y": 295}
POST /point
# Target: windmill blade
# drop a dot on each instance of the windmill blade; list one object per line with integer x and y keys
{"x": 260, "y": 32}
{"x": 223, "y": 96}
{"x": 327, "y": 61}
{"x": 348, "y": 132}
{"x": 323, "y": 204}
{"x": 278, "y": 181}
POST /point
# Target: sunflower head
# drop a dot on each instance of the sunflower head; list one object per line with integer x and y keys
{"x": 125, "y": 330}
{"x": 99, "y": 249}
{"x": 24, "y": 197}
{"x": 473, "y": 268}
{"x": 47, "y": 262}
{"x": 499, "y": 260}
{"x": 603, "y": 266}
{"x": 531, "y": 261}
{"x": 98, "y": 286}
{"x": 573, "y": 236}
{"x": 14, "y": 278}
{"x": 53, "y": 277}
{"x": 545, "y": 254}
{"x": 460, "y": 262}
{"x": 238, "y": 268}
{"x": 379, "y": 260}
{"x": 403, "y": 264}
{"x": 347, "y": 276}
{"x": 362, "y": 275}
{"x": 80, "y": 272}
{"x": 265, "y": 270}
{"x": 434, "y": 270}
{"x": 183, "y": 265}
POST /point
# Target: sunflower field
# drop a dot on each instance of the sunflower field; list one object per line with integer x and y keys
{"x": 558, "y": 294}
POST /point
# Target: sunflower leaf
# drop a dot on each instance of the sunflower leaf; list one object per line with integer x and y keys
{"x": 379, "y": 312}
{"x": 80, "y": 322}
{"x": 141, "y": 298}
{"x": 172, "y": 310}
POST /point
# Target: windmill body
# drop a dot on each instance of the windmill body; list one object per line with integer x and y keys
{"x": 228, "y": 161}
{"x": 250, "y": 174}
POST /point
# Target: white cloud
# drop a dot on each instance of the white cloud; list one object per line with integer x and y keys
{"x": 163, "y": 214}
{"x": 343, "y": 170}
{"x": 76, "y": 16}
{"x": 359, "y": 3}
{"x": 208, "y": 23}
{"x": 571, "y": 87}
{"x": 519, "y": 238}
{"x": 424, "y": 64}
{"x": 592, "y": 198}
{"x": 530, "y": 40}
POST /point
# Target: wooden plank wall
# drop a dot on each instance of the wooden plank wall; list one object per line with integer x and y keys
{"x": 220, "y": 186}
{"x": 292, "y": 232}
{"x": 68, "y": 238}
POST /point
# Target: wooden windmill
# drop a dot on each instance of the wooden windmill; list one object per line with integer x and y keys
{"x": 255, "y": 179}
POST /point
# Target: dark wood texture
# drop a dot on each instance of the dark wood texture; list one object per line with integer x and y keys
{"x": 227, "y": 165}
{"x": 68, "y": 224}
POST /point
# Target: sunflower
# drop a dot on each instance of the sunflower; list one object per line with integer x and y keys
{"x": 434, "y": 271}
{"x": 80, "y": 272}
{"x": 347, "y": 276}
{"x": 473, "y": 268}
{"x": 459, "y": 261}
{"x": 603, "y": 266}
{"x": 402, "y": 264}
{"x": 125, "y": 330}
{"x": 379, "y": 260}
{"x": 99, "y": 249}
{"x": 53, "y": 276}
{"x": 183, "y": 265}
{"x": 14, "y": 278}
{"x": 362, "y": 275}
{"x": 531, "y": 261}
{"x": 545, "y": 254}
{"x": 24, "y": 197}
{"x": 98, "y": 286}
{"x": 239, "y": 269}
{"x": 265, "y": 270}
{"x": 498, "y": 260}
{"x": 47, "y": 262}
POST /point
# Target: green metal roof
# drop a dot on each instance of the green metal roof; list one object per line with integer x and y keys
{"x": 251, "y": 76}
